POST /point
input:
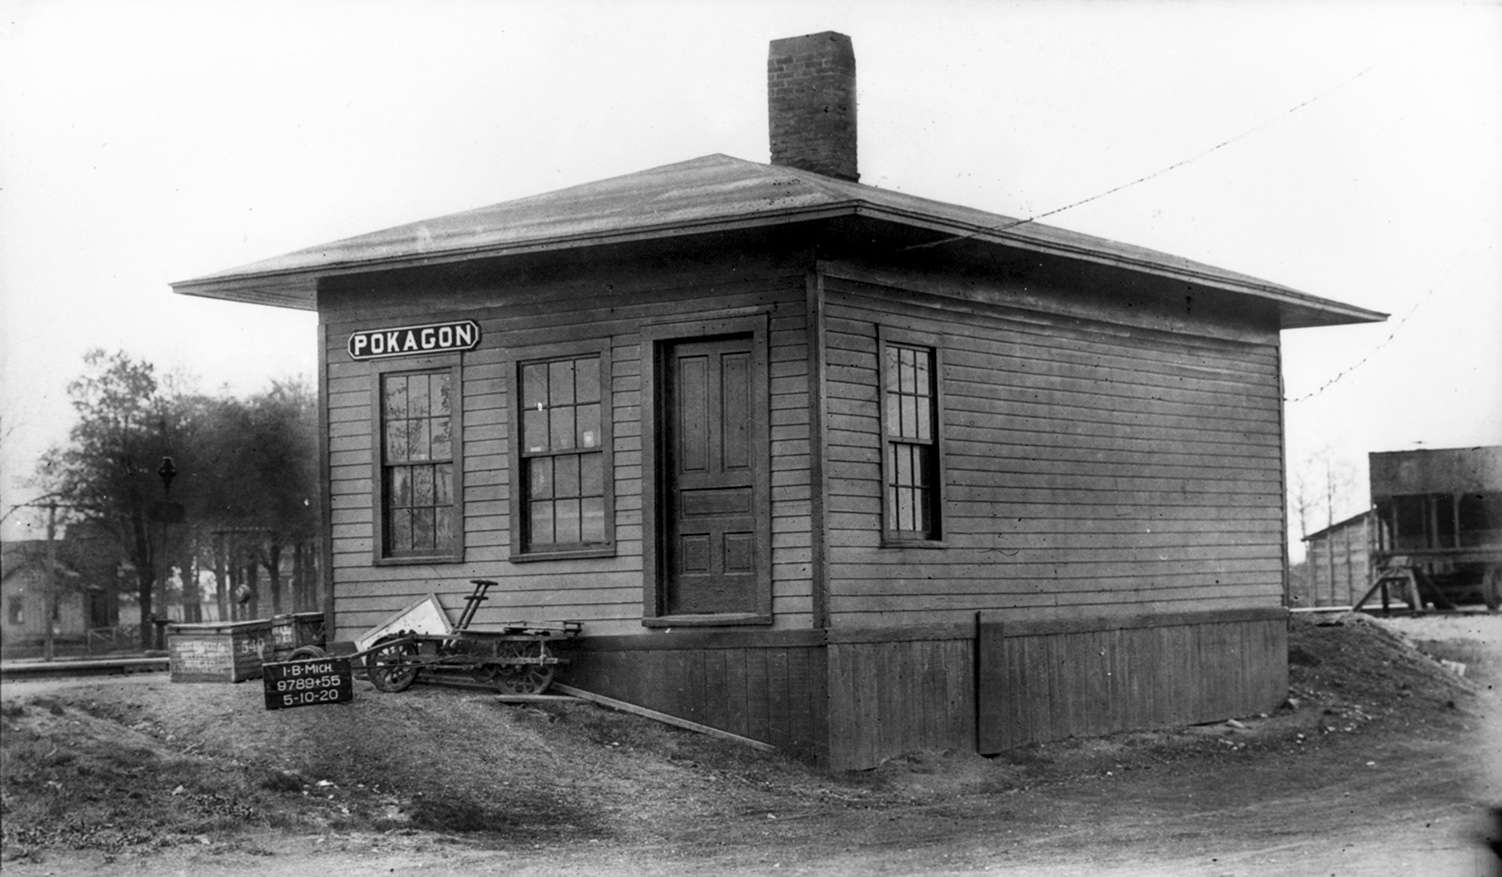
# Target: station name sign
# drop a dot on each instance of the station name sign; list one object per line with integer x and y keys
{"x": 414, "y": 340}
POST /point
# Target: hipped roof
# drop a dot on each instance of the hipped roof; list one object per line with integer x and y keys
{"x": 716, "y": 193}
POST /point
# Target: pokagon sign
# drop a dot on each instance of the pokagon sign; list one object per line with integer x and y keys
{"x": 414, "y": 340}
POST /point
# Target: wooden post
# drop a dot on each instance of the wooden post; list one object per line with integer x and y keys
{"x": 50, "y": 603}
{"x": 252, "y": 581}
{"x": 274, "y": 570}
{"x": 1415, "y": 602}
{"x": 300, "y": 601}
{"x": 221, "y": 590}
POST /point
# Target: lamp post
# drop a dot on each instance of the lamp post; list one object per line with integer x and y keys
{"x": 167, "y": 472}
{"x": 165, "y": 512}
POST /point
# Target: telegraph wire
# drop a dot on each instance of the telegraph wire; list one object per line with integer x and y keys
{"x": 1221, "y": 145}
{"x": 1176, "y": 165}
{"x": 1390, "y": 335}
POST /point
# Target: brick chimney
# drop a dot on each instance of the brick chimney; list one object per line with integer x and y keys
{"x": 811, "y": 104}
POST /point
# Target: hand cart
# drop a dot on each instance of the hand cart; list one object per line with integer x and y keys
{"x": 516, "y": 659}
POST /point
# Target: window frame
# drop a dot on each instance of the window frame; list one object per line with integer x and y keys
{"x": 887, "y": 337}
{"x": 453, "y": 364}
{"x": 515, "y": 359}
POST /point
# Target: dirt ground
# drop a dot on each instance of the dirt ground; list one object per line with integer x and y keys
{"x": 1382, "y": 762}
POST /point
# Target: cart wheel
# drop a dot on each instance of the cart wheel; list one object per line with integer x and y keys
{"x": 1491, "y": 588}
{"x": 522, "y": 678}
{"x": 485, "y": 674}
{"x": 303, "y": 653}
{"x": 389, "y": 666}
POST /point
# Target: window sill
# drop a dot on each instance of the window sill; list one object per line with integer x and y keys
{"x": 413, "y": 561}
{"x": 726, "y": 620}
{"x": 571, "y": 554}
{"x": 889, "y": 542}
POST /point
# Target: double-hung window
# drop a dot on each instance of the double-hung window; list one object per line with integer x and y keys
{"x": 563, "y": 487}
{"x": 419, "y": 475}
{"x": 911, "y": 455}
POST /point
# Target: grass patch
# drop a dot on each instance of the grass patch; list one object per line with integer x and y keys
{"x": 73, "y": 780}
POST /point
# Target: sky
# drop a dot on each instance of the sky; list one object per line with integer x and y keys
{"x": 1352, "y": 151}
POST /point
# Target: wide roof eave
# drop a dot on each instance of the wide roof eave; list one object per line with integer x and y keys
{"x": 714, "y": 194}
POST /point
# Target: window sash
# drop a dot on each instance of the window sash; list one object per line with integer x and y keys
{"x": 419, "y": 479}
{"x": 564, "y": 499}
{"x": 563, "y": 493}
{"x": 912, "y": 484}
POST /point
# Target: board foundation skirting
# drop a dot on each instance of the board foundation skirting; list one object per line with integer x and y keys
{"x": 1036, "y": 684}
{"x": 771, "y": 692}
{"x": 853, "y": 698}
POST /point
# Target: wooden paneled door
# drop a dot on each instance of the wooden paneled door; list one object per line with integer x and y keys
{"x": 711, "y": 463}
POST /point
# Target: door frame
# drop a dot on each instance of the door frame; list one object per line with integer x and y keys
{"x": 655, "y": 339}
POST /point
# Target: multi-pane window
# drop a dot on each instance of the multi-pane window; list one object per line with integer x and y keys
{"x": 911, "y": 452}
{"x": 562, "y": 455}
{"x": 419, "y": 512}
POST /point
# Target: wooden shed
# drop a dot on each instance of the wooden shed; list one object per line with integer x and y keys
{"x": 1338, "y": 564}
{"x": 830, "y": 466}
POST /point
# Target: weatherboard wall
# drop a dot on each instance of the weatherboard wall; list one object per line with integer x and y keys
{"x": 606, "y": 302}
{"x": 1091, "y": 468}
{"x": 1099, "y": 466}
{"x": 1111, "y": 550}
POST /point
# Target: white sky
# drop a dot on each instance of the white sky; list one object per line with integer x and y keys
{"x": 143, "y": 142}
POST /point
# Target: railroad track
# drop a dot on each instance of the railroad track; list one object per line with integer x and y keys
{"x": 68, "y": 668}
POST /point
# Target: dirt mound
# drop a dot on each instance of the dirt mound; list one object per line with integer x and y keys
{"x": 154, "y": 764}
{"x": 1359, "y": 656}
{"x": 129, "y": 767}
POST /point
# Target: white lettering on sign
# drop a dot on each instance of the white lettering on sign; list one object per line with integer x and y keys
{"x": 413, "y": 340}
{"x": 307, "y": 683}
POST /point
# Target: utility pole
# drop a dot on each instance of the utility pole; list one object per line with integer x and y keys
{"x": 1330, "y": 528}
{"x": 50, "y": 647}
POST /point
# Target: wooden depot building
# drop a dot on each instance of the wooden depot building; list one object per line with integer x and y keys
{"x": 837, "y": 468}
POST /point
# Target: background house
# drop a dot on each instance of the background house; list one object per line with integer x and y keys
{"x": 835, "y": 467}
{"x": 70, "y": 580}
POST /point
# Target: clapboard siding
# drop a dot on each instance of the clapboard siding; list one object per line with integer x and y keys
{"x": 1090, "y": 468}
{"x": 1094, "y": 470}
{"x": 611, "y": 306}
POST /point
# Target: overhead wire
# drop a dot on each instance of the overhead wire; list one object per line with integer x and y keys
{"x": 1176, "y": 165}
{"x": 1201, "y": 154}
{"x": 1450, "y": 269}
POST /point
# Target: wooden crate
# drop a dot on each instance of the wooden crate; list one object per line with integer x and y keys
{"x": 289, "y": 632}
{"x": 219, "y": 652}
